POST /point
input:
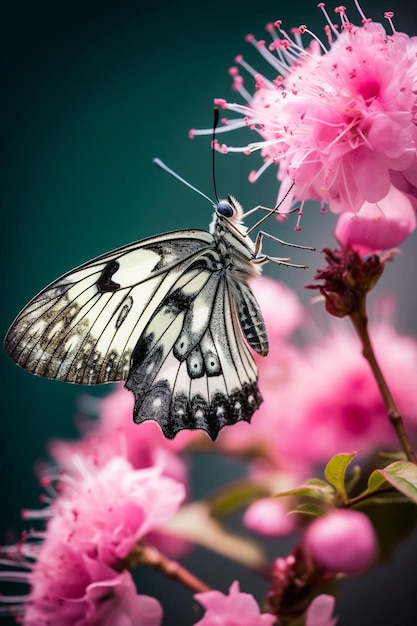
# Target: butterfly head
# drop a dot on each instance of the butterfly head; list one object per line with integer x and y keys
{"x": 230, "y": 209}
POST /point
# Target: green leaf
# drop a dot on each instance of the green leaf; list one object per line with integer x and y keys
{"x": 308, "y": 508}
{"x": 402, "y": 475}
{"x": 317, "y": 492}
{"x": 335, "y": 472}
{"x": 318, "y": 482}
{"x": 375, "y": 481}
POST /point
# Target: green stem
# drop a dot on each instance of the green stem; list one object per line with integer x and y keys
{"x": 363, "y": 497}
{"x": 360, "y": 321}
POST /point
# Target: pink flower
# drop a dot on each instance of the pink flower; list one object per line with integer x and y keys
{"x": 122, "y": 606}
{"x": 114, "y": 433}
{"x": 342, "y": 541}
{"x": 235, "y": 609}
{"x": 268, "y": 516}
{"x": 320, "y": 611}
{"x": 94, "y": 524}
{"x": 103, "y": 598}
{"x": 333, "y": 399}
{"x": 109, "y": 510}
{"x": 378, "y": 227}
{"x": 321, "y": 399}
{"x": 339, "y": 120}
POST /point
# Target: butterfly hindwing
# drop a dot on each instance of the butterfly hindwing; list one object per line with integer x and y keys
{"x": 192, "y": 367}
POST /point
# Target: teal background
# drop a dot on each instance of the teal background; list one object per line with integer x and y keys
{"x": 91, "y": 91}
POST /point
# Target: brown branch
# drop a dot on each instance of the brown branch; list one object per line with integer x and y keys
{"x": 360, "y": 321}
{"x": 143, "y": 554}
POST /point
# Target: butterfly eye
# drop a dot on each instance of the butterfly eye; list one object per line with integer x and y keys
{"x": 224, "y": 209}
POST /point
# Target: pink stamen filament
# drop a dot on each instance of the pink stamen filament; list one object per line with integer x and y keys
{"x": 321, "y": 6}
{"x": 246, "y": 66}
{"x": 232, "y": 125}
{"x": 349, "y": 197}
{"x": 388, "y": 16}
{"x": 253, "y": 176}
{"x": 36, "y": 513}
{"x": 361, "y": 13}
{"x": 277, "y": 63}
{"x": 12, "y": 577}
{"x": 244, "y": 93}
{"x": 15, "y": 563}
{"x": 316, "y": 38}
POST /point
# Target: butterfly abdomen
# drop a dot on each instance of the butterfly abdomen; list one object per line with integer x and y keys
{"x": 251, "y": 320}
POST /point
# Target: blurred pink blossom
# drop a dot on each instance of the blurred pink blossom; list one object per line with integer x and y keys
{"x": 107, "y": 511}
{"x": 284, "y": 319}
{"x": 235, "y": 609}
{"x": 96, "y": 521}
{"x": 333, "y": 399}
{"x": 321, "y": 398}
{"x": 116, "y": 603}
{"x": 102, "y": 597}
{"x": 338, "y": 119}
{"x": 115, "y": 433}
{"x": 269, "y": 517}
{"x": 342, "y": 541}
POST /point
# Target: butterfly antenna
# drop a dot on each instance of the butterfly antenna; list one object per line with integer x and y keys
{"x": 213, "y": 150}
{"x": 167, "y": 169}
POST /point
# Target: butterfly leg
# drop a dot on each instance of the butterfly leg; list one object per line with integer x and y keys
{"x": 261, "y": 258}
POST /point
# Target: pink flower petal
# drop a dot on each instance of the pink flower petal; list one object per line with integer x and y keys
{"x": 236, "y": 609}
{"x": 380, "y": 226}
{"x": 320, "y": 611}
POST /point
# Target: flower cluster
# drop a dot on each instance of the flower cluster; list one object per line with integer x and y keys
{"x": 77, "y": 566}
{"x": 338, "y": 119}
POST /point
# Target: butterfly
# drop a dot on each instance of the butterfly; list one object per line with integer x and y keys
{"x": 173, "y": 316}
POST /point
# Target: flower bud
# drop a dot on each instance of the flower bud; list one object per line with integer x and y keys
{"x": 269, "y": 517}
{"x": 343, "y": 541}
{"x": 347, "y": 279}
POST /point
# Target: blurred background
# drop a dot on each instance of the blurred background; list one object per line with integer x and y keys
{"x": 91, "y": 92}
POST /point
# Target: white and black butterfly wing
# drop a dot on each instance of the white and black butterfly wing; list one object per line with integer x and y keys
{"x": 83, "y": 327}
{"x": 192, "y": 367}
{"x": 172, "y": 315}
{"x": 160, "y": 314}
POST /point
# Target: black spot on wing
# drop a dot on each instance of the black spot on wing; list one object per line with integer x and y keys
{"x": 145, "y": 362}
{"x": 105, "y": 282}
{"x": 126, "y": 306}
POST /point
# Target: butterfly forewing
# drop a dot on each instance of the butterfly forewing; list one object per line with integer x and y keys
{"x": 171, "y": 315}
{"x": 83, "y": 327}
